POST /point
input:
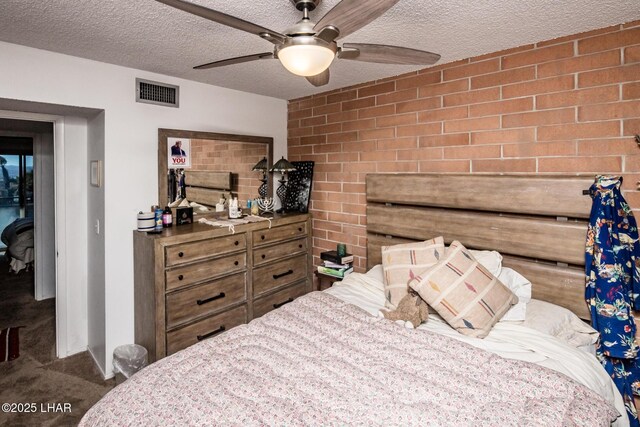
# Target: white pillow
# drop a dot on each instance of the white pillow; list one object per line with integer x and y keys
{"x": 377, "y": 275}
{"x": 491, "y": 260}
{"x": 520, "y": 286}
{"x": 559, "y": 322}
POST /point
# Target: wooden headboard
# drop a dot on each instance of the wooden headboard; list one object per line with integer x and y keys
{"x": 538, "y": 223}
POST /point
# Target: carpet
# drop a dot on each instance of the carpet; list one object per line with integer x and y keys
{"x": 10, "y": 344}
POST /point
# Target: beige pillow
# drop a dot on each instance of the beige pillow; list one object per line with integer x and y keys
{"x": 404, "y": 263}
{"x": 464, "y": 293}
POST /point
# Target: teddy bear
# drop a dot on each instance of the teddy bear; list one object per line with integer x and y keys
{"x": 412, "y": 310}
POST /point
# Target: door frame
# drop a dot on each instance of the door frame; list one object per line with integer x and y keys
{"x": 62, "y": 349}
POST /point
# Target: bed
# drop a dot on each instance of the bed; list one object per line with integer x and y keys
{"x": 327, "y": 358}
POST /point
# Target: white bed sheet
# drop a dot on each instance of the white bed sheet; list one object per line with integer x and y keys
{"x": 508, "y": 340}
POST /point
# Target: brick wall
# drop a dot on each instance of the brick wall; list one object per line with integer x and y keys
{"x": 569, "y": 105}
{"x": 231, "y": 156}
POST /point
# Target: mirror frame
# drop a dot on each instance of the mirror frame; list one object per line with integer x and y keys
{"x": 163, "y": 166}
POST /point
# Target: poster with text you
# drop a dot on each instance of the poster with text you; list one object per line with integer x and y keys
{"x": 179, "y": 152}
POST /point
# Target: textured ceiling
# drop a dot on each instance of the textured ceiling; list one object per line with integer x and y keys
{"x": 148, "y": 35}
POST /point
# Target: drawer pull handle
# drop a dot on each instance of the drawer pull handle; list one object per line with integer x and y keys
{"x": 299, "y": 228}
{"x": 204, "y": 301}
{"x": 180, "y": 277}
{"x": 282, "y": 303}
{"x": 286, "y": 273}
{"x": 263, "y": 256}
{"x": 210, "y": 334}
{"x": 180, "y": 254}
{"x": 262, "y": 237}
{"x": 300, "y": 245}
{"x": 235, "y": 263}
{"x": 236, "y": 243}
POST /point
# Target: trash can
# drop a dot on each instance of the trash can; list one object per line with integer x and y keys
{"x": 127, "y": 360}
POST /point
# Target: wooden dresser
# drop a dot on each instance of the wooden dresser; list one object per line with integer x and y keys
{"x": 195, "y": 281}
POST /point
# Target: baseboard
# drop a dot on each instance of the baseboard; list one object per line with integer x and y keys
{"x": 105, "y": 375}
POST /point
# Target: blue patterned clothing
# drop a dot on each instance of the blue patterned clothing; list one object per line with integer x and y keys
{"x": 613, "y": 286}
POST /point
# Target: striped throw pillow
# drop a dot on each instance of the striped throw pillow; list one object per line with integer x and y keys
{"x": 464, "y": 293}
{"x": 403, "y": 264}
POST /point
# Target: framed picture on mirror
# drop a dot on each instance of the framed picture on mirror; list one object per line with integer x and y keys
{"x": 178, "y": 153}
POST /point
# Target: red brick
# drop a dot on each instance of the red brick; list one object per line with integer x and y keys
{"x": 503, "y": 77}
{"x": 609, "y": 41}
{"x": 383, "y": 110}
{"x": 359, "y": 167}
{"x": 474, "y": 69}
{"x": 313, "y": 121}
{"x": 359, "y": 146}
{"x": 421, "y": 154}
{"x": 300, "y": 150}
{"x": 540, "y": 149}
{"x": 600, "y": 147}
{"x": 300, "y": 114}
{"x": 399, "y": 119}
{"x": 539, "y": 118}
{"x": 473, "y": 152}
{"x": 445, "y": 66}
{"x": 580, "y": 164}
{"x": 502, "y": 166}
{"x": 397, "y": 143}
{"x": 292, "y": 124}
{"x": 445, "y": 166}
{"x": 397, "y": 96}
{"x": 326, "y": 225}
{"x": 444, "y": 140}
{"x": 553, "y": 84}
{"x": 581, "y": 63}
{"x": 616, "y": 110}
{"x": 443, "y": 114}
{"x": 342, "y": 157}
{"x": 419, "y": 80}
{"x": 631, "y": 127}
{"x": 376, "y": 89}
{"x": 418, "y": 130}
{"x": 327, "y": 109}
{"x": 330, "y": 128}
{"x": 502, "y": 136}
{"x": 316, "y": 139}
{"x": 342, "y": 96}
{"x": 471, "y": 97}
{"x": 359, "y": 125}
{"x": 313, "y": 102}
{"x": 626, "y": 73}
{"x": 578, "y": 97}
{"x": 327, "y": 148}
{"x": 579, "y": 36}
{"x": 632, "y": 164}
{"x": 384, "y": 133}
{"x": 501, "y": 107}
{"x": 353, "y": 188}
{"x": 419, "y": 105}
{"x": 632, "y": 54}
{"x": 343, "y": 137}
{"x": 579, "y": 131}
{"x": 502, "y": 53}
{"x": 631, "y": 24}
{"x": 378, "y": 156}
{"x": 481, "y": 123}
{"x": 344, "y": 116}
{"x": 631, "y": 91}
{"x": 537, "y": 56}
{"x": 398, "y": 166}
{"x": 358, "y": 104}
{"x": 443, "y": 88}
{"x": 300, "y": 132}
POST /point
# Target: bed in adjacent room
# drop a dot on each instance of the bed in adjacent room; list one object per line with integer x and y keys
{"x": 328, "y": 358}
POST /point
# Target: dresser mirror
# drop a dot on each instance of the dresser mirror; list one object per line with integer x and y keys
{"x": 184, "y": 150}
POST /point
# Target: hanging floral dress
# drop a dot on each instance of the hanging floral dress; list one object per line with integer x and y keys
{"x": 613, "y": 286}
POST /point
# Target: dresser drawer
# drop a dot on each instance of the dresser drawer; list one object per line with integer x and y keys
{"x": 187, "y": 252}
{"x": 183, "y": 276}
{"x": 279, "y": 274}
{"x": 200, "y": 300}
{"x": 276, "y": 234}
{"x": 270, "y": 253}
{"x": 206, "y": 328}
{"x": 262, "y": 306}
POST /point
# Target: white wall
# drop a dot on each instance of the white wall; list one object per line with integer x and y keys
{"x": 130, "y": 159}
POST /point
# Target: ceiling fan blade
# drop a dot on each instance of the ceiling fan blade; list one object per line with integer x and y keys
{"x": 385, "y": 54}
{"x": 351, "y": 15}
{"x": 228, "y": 20}
{"x": 320, "y": 79}
{"x": 238, "y": 60}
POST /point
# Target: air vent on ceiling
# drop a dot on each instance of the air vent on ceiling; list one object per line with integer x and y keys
{"x": 157, "y": 93}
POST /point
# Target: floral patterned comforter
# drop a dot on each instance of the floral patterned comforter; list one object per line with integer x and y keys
{"x": 321, "y": 361}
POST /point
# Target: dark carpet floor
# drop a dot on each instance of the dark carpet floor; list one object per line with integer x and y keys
{"x": 37, "y": 376}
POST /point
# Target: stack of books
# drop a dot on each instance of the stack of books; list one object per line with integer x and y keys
{"x": 334, "y": 265}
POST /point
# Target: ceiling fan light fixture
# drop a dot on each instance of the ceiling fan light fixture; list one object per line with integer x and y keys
{"x": 306, "y": 56}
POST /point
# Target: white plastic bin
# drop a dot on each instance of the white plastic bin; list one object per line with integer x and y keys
{"x": 127, "y": 360}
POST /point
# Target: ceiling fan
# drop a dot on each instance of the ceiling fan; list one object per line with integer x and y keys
{"x": 307, "y": 49}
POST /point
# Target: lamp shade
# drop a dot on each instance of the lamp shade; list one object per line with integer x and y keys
{"x": 261, "y": 165}
{"x": 305, "y": 59}
{"x": 282, "y": 165}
